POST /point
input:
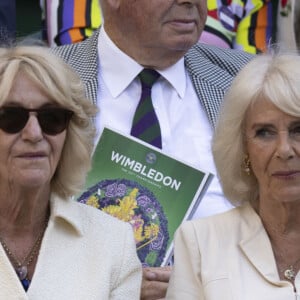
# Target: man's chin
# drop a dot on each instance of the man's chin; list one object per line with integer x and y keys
{"x": 183, "y": 44}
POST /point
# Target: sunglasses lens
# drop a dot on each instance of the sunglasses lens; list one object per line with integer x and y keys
{"x": 13, "y": 119}
{"x": 51, "y": 120}
{"x": 54, "y": 120}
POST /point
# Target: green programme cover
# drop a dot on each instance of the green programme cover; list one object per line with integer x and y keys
{"x": 154, "y": 192}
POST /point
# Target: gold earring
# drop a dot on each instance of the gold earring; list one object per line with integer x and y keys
{"x": 247, "y": 165}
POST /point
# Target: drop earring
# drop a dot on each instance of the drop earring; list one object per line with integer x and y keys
{"x": 247, "y": 165}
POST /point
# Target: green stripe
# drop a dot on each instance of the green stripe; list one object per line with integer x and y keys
{"x": 151, "y": 133}
{"x": 143, "y": 109}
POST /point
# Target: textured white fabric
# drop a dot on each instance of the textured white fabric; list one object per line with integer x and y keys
{"x": 85, "y": 254}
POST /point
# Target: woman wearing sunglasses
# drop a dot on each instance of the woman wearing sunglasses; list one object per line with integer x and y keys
{"x": 51, "y": 246}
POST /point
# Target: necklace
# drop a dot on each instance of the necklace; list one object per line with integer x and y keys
{"x": 21, "y": 267}
{"x": 290, "y": 272}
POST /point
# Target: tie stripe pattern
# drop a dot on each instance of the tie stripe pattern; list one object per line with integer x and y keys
{"x": 145, "y": 125}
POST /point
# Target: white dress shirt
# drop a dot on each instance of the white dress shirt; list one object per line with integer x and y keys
{"x": 186, "y": 131}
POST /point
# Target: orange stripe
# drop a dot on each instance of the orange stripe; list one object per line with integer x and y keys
{"x": 79, "y": 13}
{"x": 75, "y": 35}
{"x": 261, "y": 29}
{"x": 79, "y": 20}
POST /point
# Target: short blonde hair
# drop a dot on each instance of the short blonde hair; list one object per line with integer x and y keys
{"x": 273, "y": 77}
{"x": 61, "y": 84}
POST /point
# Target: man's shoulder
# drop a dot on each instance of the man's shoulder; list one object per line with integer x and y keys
{"x": 83, "y": 58}
{"x": 208, "y": 56}
{"x": 79, "y": 53}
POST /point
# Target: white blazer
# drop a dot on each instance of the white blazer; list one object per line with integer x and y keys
{"x": 229, "y": 257}
{"x": 85, "y": 255}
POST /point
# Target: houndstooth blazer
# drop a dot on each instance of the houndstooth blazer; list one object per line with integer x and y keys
{"x": 211, "y": 70}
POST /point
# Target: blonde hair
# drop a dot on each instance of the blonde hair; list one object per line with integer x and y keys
{"x": 273, "y": 77}
{"x": 62, "y": 85}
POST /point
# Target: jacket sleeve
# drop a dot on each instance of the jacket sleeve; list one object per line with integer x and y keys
{"x": 185, "y": 281}
{"x": 128, "y": 276}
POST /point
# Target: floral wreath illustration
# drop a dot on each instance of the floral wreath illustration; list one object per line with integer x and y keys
{"x": 133, "y": 203}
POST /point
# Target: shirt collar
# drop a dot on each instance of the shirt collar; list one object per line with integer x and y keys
{"x": 67, "y": 210}
{"x": 118, "y": 70}
{"x": 176, "y": 76}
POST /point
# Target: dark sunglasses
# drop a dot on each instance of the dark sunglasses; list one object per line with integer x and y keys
{"x": 52, "y": 120}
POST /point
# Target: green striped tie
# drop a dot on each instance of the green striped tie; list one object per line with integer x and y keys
{"x": 145, "y": 125}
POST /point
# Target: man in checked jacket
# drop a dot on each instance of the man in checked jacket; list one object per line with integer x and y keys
{"x": 161, "y": 35}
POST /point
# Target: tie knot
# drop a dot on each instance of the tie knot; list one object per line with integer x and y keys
{"x": 148, "y": 77}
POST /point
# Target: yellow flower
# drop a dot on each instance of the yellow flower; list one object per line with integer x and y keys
{"x": 124, "y": 210}
{"x": 137, "y": 227}
{"x": 92, "y": 201}
{"x": 151, "y": 231}
{"x": 113, "y": 210}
